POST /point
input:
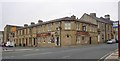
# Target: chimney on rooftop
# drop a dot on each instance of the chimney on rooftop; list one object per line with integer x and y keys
{"x": 25, "y": 25}
{"x": 107, "y": 17}
{"x": 73, "y": 17}
{"x": 40, "y": 21}
{"x": 32, "y": 23}
{"x": 93, "y": 14}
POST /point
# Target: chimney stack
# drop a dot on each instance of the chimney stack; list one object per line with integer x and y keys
{"x": 25, "y": 25}
{"x": 40, "y": 21}
{"x": 73, "y": 17}
{"x": 32, "y": 23}
{"x": 107, "y": 17}
{"x": 93, "y": 14}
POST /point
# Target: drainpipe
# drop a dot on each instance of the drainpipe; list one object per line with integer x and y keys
{"x": 60, "y": 33}
{"x": 119, "y": 38}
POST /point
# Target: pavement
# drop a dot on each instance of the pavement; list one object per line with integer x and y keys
{"x": 113, "y": 56}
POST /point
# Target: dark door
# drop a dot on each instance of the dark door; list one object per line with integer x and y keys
{"x": 57, "y": 40}
{"x": 90, "y": 40}
{"x": 26, "y": 42}
{"x": 34, "y": 41}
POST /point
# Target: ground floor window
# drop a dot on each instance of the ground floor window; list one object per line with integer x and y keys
{"x": 83, "y": 38}
{"x": 78, "y": 39}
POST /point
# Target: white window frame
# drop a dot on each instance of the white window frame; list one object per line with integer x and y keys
{"x": 49, "y": 27}
{"x": 78, "y": 26}
{"x": 67, "y": 25}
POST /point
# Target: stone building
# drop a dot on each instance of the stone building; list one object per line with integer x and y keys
{"x": 65, "y": 31}
{"x": 1, "y": 36}
{"x": 58, "y": 32}
{"x": 8, "y": 32}
{"x": 115, "y": 27}
{"x": 105, "y": 29}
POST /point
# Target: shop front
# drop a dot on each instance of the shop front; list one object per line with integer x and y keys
{"x": 46, "y": 39}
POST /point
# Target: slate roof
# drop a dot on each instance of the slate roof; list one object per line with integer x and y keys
{"x": 101, "y": 19}
{"x": 56, "y": 20}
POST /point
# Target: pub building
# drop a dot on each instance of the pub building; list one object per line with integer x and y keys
{"x": 64, "y": 31}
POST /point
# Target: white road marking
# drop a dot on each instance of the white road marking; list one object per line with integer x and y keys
{"x": 47, "y": 53}
{"x": 65, "y": 56}
{"x": 37, "y": 53}
{"x": 106, "y": 55}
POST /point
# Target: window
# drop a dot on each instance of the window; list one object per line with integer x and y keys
{"x": 84, "y": 27}
{"x": 67, "y": 25}
{"x": 49, "y": 27}
{"x": 67, "y": 36}
{"x": 43, "y": 28}
{"x": 78, "y": 39}
{"x": 57, "y": 25}
{"x": 78, "y": 26}
{"x": 82, "y": 37}
{"x": 98, "y": 25}
{"x": 90, "y": 28}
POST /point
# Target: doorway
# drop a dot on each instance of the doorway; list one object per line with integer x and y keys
{"x": 34, "y": 41}
{"x": 90, "y": 40}
{"x": 26, "y": 42}
{"x": 57, "y": 41}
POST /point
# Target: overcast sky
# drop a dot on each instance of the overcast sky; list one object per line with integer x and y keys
{"x": 23, "y": 11}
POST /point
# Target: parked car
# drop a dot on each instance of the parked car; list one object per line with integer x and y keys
{"x": 9, "y": 44}
{"x": 111, "y": 41}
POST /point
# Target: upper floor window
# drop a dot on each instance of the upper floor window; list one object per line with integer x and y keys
{"x": 21, "y": 32}
{"x": 67, "y": 25}
{"x": 43, "y": 27}
{"x": 57, "y": 24}
{"x": 84, "y": 27}
{"x": 78, "y": 26}
{"x": 49, "y": 27}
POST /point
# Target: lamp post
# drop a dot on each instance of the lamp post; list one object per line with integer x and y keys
{"x": 119, "y": 38}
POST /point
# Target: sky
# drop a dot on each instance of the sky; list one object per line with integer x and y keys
{"x": 20, "y": 12}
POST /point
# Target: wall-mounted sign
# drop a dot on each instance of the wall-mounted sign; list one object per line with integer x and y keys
{"x": 43, "y": 34}
{"x": 13, "y": 29}
{"x": 82, "y": 33}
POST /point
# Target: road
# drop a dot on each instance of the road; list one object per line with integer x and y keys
{"x": 75, "y": 52}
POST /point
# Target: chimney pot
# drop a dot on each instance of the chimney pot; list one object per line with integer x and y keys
{"x": 25, "y": 25}
{"x": 73, "y": 17}
{"x": 40, "y": 21}
{"x": 32, "y": 23}
{"x": 93, "y": 14}
{"x": 107, "y": 17}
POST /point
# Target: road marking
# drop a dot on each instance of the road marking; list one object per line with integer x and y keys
{"x": 37, "y": 53}
{"x": 106, "y": 55}
{"x": 22, "y": 49}
{"x": 47, "y": 53}
{"x": 65, "y": 56}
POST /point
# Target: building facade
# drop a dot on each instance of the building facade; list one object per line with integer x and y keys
{"x": 105, "y": 29}
{"x": 9, "y": 32}
{"x": 59, "y": 32}
{"x": 65, "y": 31}
{"x": 1, "y": 36}
{"x": 115, "y": 27}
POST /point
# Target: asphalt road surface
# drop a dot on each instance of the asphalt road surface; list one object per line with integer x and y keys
{"x": 79, "y": 52}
